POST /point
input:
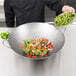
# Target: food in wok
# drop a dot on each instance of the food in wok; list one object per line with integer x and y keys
{"x": 37, "y": 48}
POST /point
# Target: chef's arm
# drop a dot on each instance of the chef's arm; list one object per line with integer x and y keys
{"x": 55, "y": 5}
{"x": 9, "y": 14}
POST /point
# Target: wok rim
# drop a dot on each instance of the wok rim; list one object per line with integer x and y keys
{"x": 42, "y": 57}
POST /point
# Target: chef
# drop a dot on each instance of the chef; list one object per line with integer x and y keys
{"x": 25, "y": 11}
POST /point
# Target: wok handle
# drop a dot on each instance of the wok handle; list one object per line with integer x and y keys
{"x": 3, "y": 42}
{"x": 63, "y": 29}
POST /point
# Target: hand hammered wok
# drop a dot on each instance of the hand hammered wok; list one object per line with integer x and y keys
{"x": 33, "y": 31}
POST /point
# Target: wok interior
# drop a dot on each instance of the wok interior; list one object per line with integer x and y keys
{"x": 34, "y": 31}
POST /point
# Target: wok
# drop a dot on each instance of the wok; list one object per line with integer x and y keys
{"x": 33, "y": 31}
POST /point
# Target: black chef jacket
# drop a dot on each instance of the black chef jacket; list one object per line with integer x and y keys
{"x": 27, "y": 11}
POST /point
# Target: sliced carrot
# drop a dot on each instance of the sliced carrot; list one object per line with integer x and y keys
{"x": 29, "y": 56}
{"x": 34, "y": 56}
{"x": 39, "y": 49}
{"x": 21, "y": 46}
{"x": 31, "y": 53}
{"x": 34, "y": 49}
{"x": 45, "y": 55}
{"x": 27, "y": 48}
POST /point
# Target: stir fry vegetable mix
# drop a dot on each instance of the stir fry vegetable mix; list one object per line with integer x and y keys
{"x": 37, "y": 48}
{"x": 5, "y": 35}
{"x": 64, "y": 19}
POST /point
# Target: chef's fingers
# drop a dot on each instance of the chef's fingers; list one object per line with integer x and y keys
{"x": 68, "y": 9}
{"x": 72, "y": 10}
{"x": 65, "y": 8}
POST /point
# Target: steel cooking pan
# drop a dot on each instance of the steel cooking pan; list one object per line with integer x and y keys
{"x": 33, "y": 31}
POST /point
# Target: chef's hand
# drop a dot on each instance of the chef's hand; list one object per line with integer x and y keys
{"x": 67, "y": 8}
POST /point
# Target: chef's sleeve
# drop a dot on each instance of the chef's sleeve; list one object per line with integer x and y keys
{"x": 9, "y": 14}
{"x": 55, "y": 5}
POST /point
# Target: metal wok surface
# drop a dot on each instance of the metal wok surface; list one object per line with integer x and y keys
{"x": 33, "y": 31}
